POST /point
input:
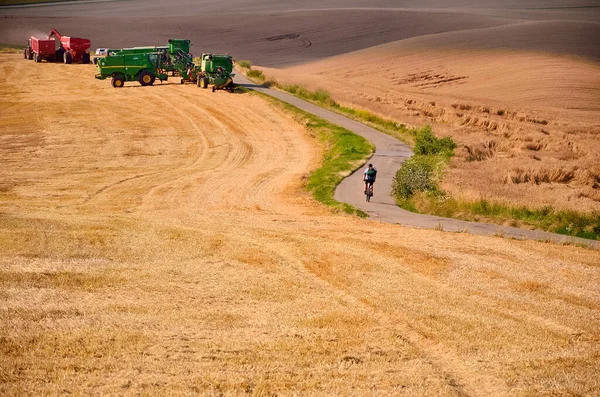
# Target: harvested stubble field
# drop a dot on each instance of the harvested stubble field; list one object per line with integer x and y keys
{"x": 158, "y": 240}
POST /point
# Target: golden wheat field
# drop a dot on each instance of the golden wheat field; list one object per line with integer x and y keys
{"x": 158, "y": 241}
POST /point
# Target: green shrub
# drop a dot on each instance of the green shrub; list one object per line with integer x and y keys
{"x": 417, "y": 174}
{"x": 245, "y": 64}
{"x": 428, "y": 144}
{"x": 256, "y": 74}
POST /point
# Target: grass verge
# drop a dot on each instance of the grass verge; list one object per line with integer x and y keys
{"x": 549, "y": 219}
{"x": 343, "y": 153}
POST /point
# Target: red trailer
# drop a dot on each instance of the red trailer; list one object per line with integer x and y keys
{"x": 72, "y": 49}
{"x": 38, "y": 49}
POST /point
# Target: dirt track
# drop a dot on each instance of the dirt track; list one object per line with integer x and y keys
{"x": 158, "y": 240}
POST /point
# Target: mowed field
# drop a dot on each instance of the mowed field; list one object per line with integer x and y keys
{"x": 158, "y": 240}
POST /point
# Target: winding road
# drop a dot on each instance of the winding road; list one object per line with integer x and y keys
{"x": 389, "y": 155}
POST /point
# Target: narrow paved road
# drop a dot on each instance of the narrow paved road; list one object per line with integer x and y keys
{"x": 388, "y": 157}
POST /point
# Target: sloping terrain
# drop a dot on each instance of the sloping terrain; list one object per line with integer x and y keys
{"x": 285, "y": 32}
{"x": 526, "y": 120}
{"x": 157, "y": 240}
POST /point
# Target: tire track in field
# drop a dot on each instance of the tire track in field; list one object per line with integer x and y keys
{"x": 452, "y": 369}
{"x": 195, "y": 152}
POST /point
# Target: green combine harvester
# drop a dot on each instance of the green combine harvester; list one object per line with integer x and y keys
{"x": 142, "y": 67}
{"x": 146, "y": 64}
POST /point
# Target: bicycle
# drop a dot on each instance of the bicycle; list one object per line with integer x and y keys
{"x": 369, "y": 192}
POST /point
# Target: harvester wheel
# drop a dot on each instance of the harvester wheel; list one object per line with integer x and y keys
{"x": 146, "y": 78}
{"x": 117, "y": 81}
{"x": 213, "y": 88}
{"x": 85, "y": 58}
{"x": 67, "y": 57}
{"x": 204, "y": 82}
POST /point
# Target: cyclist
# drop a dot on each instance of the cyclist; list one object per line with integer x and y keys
{"x": 369, "y": 176}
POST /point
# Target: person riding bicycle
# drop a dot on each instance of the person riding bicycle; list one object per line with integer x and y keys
{"x": 369, "y": 177}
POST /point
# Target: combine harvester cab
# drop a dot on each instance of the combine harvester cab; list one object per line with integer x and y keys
{"x": 72, "y": 49}
{"x": 126, "y": 66}
{"x": 217, "y": 70}
{"x": 39, "y": 49}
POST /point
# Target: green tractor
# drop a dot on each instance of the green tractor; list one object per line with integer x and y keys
{"x": 216, "y": 70}
{"x": 122, "y": 67}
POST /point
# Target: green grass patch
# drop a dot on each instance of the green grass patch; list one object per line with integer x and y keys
{"x": 343, "y": 153}
{"x": 256, "y": 74}
{"x": 245, "y": 64}
{"x": 546, "y": 218}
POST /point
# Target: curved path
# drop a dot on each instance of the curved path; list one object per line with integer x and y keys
{"x": 388, "y": 157}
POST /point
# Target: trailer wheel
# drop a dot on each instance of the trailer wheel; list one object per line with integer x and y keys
{"x": 146, "y": 78}
{"x": 204, "y": 83}
{"x": 29, "y": 54}
{"x": 85, "y": 58}
{"x": 117, "y": 81}
{"x": 24, "y": 53}
{"x": 213, "y": 88}
{"x": 37, "y": 58}
{"x": 67, "y": 57}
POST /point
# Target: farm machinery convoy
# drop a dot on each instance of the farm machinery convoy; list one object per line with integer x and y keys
{"x": 146, "y": 64}
{"x": 141, "y": 64}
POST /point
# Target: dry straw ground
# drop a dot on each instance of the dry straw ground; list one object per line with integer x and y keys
{"x": 157, "y": 240}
